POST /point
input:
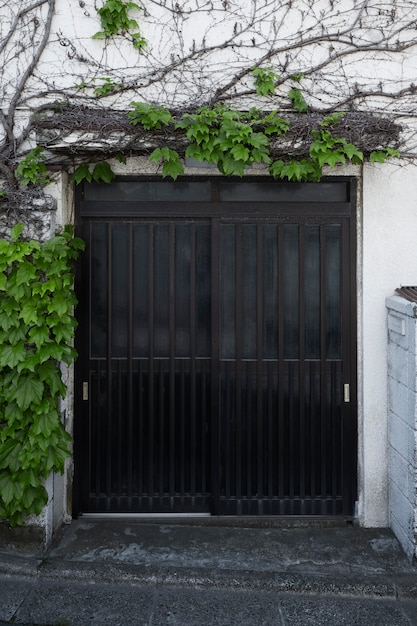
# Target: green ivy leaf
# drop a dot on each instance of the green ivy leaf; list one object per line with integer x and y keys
{"x": 28, "y": 390}
{"x": 9, "y": 455}
{"x": 149, "y": 116}
{"x": 82, "y": 172}
{"x": 115, "y": 20}
{"x": 14, "y": 414}
{"x": 49, "y": 373}
{"x": 172, "y": 168}
{"x": 258, "y": 140}
{"x": 380, "y": 156}
{"x": 51, "y": 351}
{"x": 3, "y": 282}
{"x": 32, "y": 170}
{"x": 39, "y": 335}
{"x": 8, "y": 321}
{"x": 393, "y": 152}
{"x": 265, "y": 79}
{"x": 331, "y": 158}
{"x": 297, "y": 100}
{"x": 333, "y": 118}
{"x": 171, "y": 163}
{"x": 26, "y": 272}
{"x": 29, "y": 313}
{"x": 16, "y": 232}
{"x": 297, "y": 77}
{"x": 103, "y": 171}
{"x": 355, "y": 155}
{"x": 59, "y": 303}
{"x": 45, "y": 423}
{"x": 230, "y": 166}
{"x": 16, "y": 335}
{"x": 9, "y": 489}
{"x": 240, "y": 153}
{"x": 12, "y": 355}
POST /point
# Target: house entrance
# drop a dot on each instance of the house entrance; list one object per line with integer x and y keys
{"x": 217, "y": 348}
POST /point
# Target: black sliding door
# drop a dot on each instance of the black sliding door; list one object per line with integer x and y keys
{"x": 216, "y": 371}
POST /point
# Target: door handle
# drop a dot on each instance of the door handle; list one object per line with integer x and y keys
{"x": 346, "y": 392}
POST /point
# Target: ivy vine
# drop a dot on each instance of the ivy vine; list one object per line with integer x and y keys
{"x": 115, "y": 20}
{"x": 235, "y": 140}
{"x": 32, "y": 168}
{"x": 36, "y": 332}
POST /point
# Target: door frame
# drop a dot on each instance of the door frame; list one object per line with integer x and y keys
{"x": 82, "y": 335}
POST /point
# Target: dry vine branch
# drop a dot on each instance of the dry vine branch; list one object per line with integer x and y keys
{"x": 109, "y": 131}
{"x": 358, "y": 57}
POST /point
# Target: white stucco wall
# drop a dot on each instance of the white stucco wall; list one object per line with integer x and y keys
{"x": 387, "y": 259}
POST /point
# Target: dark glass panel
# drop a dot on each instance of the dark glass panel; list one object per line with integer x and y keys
{"x": 152, "y": 191}
{"x": 161, "y": 291}
{"x": 99, "y": 290}
{"x": 120, "y": 290}
{"x": 291, "y": 291}
{"x": 249, "y": 291}
{"x": 312, "y": 291}
{"x": 270, "y": 291}
{"x": 333, "y": 291}
{"x": 140, "y": 290}
{"x": 231, "y": 191}
{"x": 203, "y": 290}
{"x": 228, "y": 292}
{"x": 182, "y": 290}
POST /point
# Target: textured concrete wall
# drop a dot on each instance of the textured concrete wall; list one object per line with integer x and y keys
{"x": 402, "y": 421}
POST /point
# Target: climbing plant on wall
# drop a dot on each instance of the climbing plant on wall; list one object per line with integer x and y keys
{"x": 36, "y": 331}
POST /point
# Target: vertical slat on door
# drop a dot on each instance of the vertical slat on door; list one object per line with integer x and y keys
{"x": 281, "y": 370}
{"x": 140, "y": 366}
{"x": 215, "y": 365}
{"x": 171, "y": 388}
{"x": 323, "y": 372}
{"x": 259, "y": 376}
{"x": 236, "y": 486}
{"x": 109, "y": 455}
{"x": 301, "y": 443}
{"x": 291, "y": 309}
{"x": 151, "y": 365}
{"x": 160, "y": 416}
{"x": 119, "y": 441}
{"x": 193, "y": 355}
{"x": 129, "y": 399}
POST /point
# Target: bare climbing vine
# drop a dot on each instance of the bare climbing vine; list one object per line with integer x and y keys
{"x": 70, "y": 71}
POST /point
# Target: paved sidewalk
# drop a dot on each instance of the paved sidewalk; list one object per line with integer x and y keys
{"x": 128, "y": 572}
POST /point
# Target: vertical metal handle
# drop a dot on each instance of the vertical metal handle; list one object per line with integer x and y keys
{"x": 85, "y": 391}
{"x": 346, "y": 392}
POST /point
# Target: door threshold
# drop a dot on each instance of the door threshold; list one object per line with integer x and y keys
{"x": 206, "y": 519}
{"x": 144, "y": 516}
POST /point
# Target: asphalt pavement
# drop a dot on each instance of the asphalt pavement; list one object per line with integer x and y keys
{"x": 123, "y": 572}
